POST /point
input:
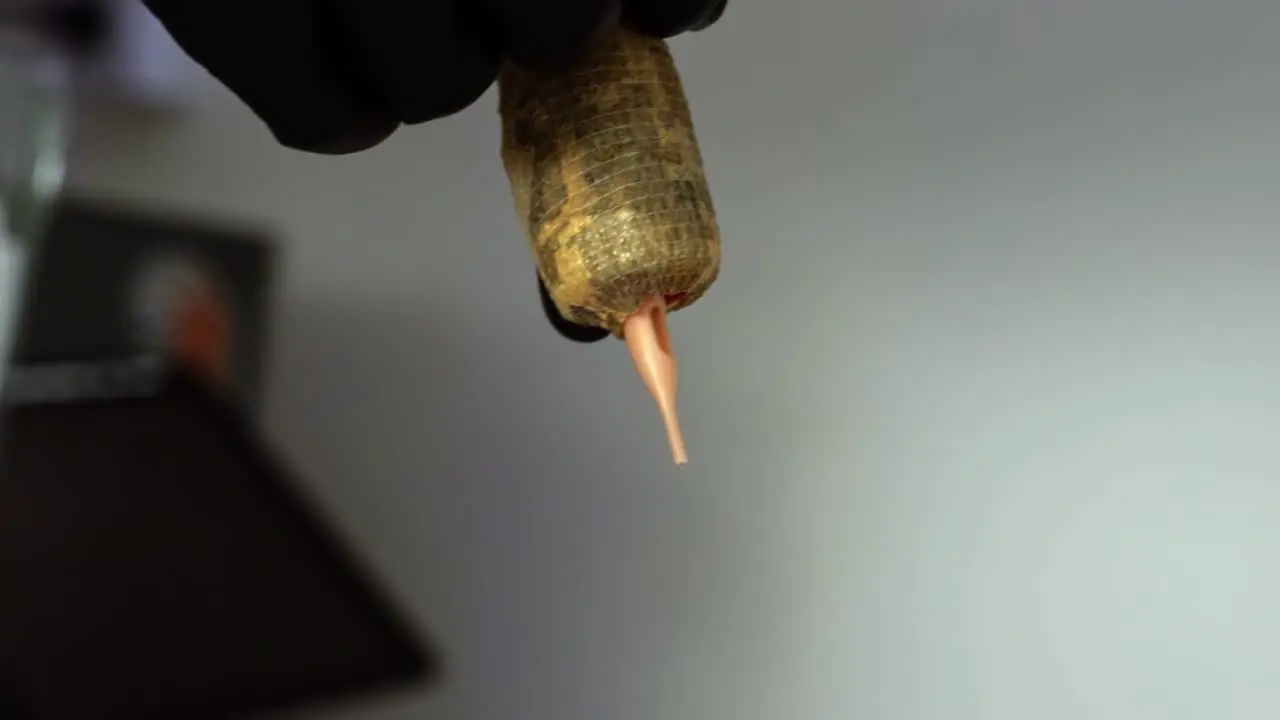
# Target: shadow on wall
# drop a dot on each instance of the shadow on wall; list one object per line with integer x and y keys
{"x": 385, "y": 466}
{"x": 355, "y": 399}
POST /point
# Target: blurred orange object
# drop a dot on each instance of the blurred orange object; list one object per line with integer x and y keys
{"x": 201, "y": 333}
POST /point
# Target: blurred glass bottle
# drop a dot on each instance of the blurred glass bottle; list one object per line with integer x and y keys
{"x": 34, "y": 90}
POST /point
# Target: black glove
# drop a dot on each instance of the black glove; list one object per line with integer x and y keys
{"x": 339, "y": 76}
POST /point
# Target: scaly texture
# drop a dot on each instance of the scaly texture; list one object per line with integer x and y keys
{"x": 608, "y": 181}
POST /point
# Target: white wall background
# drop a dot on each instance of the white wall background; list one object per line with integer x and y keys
{"x": 983, "y": 412}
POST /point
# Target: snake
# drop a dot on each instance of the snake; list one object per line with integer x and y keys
{"x": 608, "y": 181}
{"x": 609, "y": 186}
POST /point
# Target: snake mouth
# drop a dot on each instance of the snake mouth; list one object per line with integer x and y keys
{"x": 675, "y": 300}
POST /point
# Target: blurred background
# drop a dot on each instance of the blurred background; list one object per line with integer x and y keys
{"x": 982, "y": 411}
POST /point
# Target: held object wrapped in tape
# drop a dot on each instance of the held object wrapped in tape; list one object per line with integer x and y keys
{"x": 608, "y": 182}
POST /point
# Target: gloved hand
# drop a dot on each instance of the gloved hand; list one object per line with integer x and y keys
{"x": 339, "y": 76}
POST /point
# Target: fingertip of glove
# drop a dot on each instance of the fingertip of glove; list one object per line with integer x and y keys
{"x": 668, "y": 18}
{"x": 450, "y": 97}
{"x": 711, "y": 17}
{"x": 567, "y": 330}
{"x": 337, "y": 138}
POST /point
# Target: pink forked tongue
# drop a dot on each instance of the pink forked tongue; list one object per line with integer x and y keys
{"x": 646, "y": 335}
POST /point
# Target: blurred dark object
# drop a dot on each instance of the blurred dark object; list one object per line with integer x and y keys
{"x": 119, "y": 51}
{"x": 113, "y": 281}
{"x": 156, "y": 562}
{"x": 80, "y": 27}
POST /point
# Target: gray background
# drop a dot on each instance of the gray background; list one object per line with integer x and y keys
{"x": 982, "y": 412}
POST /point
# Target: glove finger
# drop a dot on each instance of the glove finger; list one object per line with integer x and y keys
{"x": 549, "y": 34}
{"x": 568, "y": 330}
{"x": 420, "y": 55}
{"x": 278, "y": 57}
{"x": 667, "y": 18}
{"x": 712, "y": 17}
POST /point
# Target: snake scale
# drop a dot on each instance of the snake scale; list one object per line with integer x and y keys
{"x": 608, "y": 181}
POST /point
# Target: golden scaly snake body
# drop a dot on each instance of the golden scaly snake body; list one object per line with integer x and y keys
{"x": 608, "y": 181}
